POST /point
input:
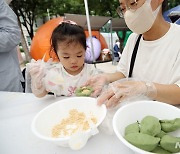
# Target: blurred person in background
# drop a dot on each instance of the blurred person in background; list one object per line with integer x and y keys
{"x": 10, "y": 73}
{"x": 116, "y": 51}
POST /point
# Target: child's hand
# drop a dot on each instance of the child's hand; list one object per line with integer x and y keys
{"x": 97, "y": 83}
{"x": 37, "y": 73}
{"x": 53, "y": 82}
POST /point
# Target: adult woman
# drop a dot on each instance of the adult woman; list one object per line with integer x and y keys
{"x": 157, "y": 61}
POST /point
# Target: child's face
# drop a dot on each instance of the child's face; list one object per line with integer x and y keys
{"x": 71, "y": 57}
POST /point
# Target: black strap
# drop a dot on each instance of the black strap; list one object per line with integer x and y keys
{"x": 133, "y": 57}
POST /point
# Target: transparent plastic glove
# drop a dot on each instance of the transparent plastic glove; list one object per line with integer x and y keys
{"x": 53, "y": 81}
{"x": 37, "y": 73}
{"x": 97, "y": 83}
{"x": 37, "y": 70}
{"x": 127, "y": 90}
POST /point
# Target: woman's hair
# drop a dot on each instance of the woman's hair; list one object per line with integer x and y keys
{"x": 164, "y": 6}
{"x": 67, "y": 33}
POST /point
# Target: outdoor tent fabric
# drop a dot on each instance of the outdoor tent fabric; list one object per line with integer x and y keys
{"x": 166, "y": 13}
{"x": 96, "y": 21}
{"x": 119, "y": 24}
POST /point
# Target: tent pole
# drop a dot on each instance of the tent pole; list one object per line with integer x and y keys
{"x": 89, "y": 29}
{"x": 111, "y": 40}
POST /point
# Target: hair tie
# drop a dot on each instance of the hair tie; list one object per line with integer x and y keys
{"x": 69, "y": 22}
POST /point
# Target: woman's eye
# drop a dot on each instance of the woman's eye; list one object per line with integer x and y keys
{"x": 122, "y": 9}
{"x": 65, "y": 57}
{"x": 134, "y": 3}
{"x": 79, "y": 56}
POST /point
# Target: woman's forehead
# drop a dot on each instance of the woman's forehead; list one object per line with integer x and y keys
{"x": 122, "y": 2}
{"x": 126, "y": 1}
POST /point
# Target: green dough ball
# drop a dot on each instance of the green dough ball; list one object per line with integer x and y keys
{"x": 132, "y": 128}
{"x": 170, "y": 125}
{"x": 150, "y": 125}
{"x": 170, "y": 143}
{"x": 161, "y": 134}
{"x": 143, "y": 141}
{"x": 83, "y": 91}
{"x": 160, "y": 150}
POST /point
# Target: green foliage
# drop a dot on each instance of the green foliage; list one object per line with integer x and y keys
{"x": 173, "y": 3}
{"x": 30, "y": 10}
{"x": 67, "y": 6}
{"x": 103, "y": 7}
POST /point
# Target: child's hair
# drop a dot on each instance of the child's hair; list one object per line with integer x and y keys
{"x": 68, "y": 33}
{"x": 164, "y": 6}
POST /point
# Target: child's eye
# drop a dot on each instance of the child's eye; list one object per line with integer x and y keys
{"x": 123, "y": 9}
{"x": 133, "y": 3}
{"x": 79, "y": 56}
{"x": 65, "y": 57}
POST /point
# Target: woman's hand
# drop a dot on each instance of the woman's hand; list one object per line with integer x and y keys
{"x": 124, "y": 90}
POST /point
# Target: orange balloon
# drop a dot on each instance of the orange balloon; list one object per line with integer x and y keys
{"x": 98, "y": 35}
{"x": 41, "y": 41}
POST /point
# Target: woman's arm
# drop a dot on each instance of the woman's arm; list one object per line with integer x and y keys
{"x": 168, "y": 93}
{"x": 111, "y": 77}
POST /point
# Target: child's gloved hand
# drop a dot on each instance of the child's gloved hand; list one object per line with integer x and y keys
{"x": 37, "y": 73}
{"x": 53, "y": 82}
{"x": 97, "y": 83}
{"x": 124, "y": 90}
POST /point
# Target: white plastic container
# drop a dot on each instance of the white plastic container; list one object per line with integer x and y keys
{"x": 47, "y": 118}
{"x": 130, "y": 113}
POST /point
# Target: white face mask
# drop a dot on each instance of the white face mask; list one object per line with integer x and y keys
{"x": 142, "y": 19}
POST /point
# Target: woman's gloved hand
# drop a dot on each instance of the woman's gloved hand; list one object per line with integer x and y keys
{"x": 124, "y": 90}
{"x": 97, "y": 83}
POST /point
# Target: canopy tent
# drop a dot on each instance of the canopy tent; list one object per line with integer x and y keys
{"x": 96, "y": 21}
{"x": 172, "y": 12}
{"x": 119, "y": 24}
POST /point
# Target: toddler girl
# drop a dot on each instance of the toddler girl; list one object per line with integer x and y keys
{"x": 69, "y": 43}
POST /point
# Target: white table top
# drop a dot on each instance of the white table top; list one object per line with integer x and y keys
{"x": 17, "y": 111}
